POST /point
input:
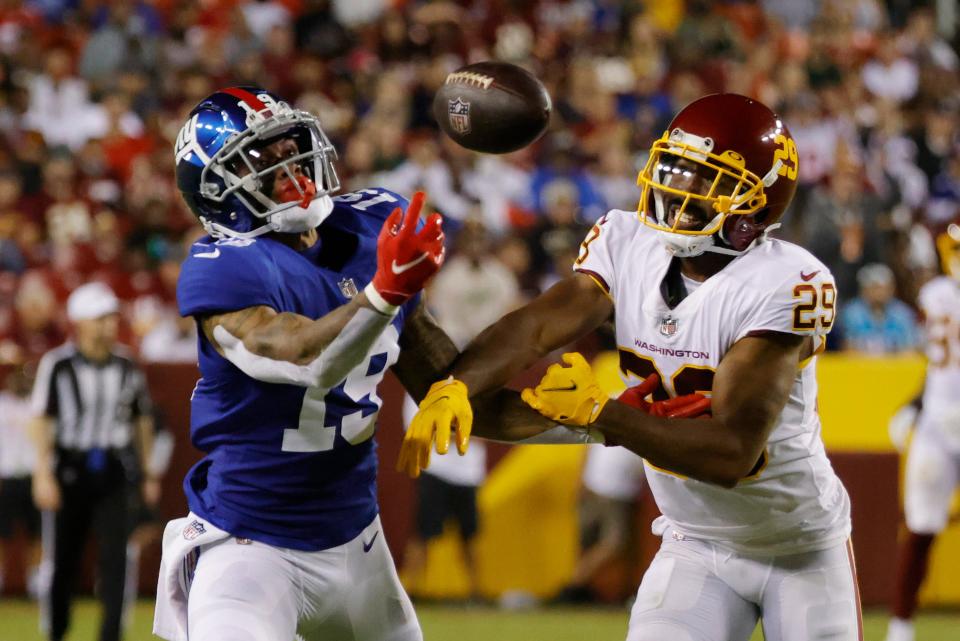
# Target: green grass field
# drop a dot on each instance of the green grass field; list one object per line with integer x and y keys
{"x": 18, "y": 622}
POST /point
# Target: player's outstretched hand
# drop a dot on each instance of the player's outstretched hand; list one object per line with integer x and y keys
{"x": 445, "y": 410}
{"x": 406, "y": 258}
{"x": 568, "y": 393}
{"x": 686, "y": 406}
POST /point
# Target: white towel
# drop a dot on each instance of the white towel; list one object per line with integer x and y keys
{"x": 183, "y": 540}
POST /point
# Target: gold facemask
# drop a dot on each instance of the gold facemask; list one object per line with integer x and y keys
{"x": 733, "y": 190}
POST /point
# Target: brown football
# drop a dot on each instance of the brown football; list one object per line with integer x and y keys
{"x": 492, "y": 107}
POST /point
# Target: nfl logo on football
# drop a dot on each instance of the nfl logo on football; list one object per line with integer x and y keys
{"x": 459, "y": 112}
{"x": 668, "y": 326}
{"x": 193, "y": 530}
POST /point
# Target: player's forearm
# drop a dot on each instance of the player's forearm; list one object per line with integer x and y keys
{"x": 501, "y": 416}
{"x": 567, "y": 311}
{"x": 499, "y": 353}
{"x": 292, "y": 349}
{"x": 704, "y": 449}
{"x": 426, "y": 353}
{"x": 426, "y": 356}
{"x": 300, "y": 340}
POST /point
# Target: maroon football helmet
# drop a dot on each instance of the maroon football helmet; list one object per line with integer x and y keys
{"x": 719, "y": 177}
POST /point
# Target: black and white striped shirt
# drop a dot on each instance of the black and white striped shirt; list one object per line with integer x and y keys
{"x": 93, "y": 404}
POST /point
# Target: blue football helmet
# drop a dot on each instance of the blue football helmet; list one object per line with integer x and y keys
{"x": 228, "y": 179}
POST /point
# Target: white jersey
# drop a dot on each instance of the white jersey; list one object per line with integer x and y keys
{"x": 939, "y": 301}
{"x": 793, "y": 500}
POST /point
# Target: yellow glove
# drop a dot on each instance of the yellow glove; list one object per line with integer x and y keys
{"x": 570, "y": 394}
{"x": 445, "y": 405}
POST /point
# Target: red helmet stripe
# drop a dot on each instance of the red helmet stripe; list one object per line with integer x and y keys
{"x": 247, "y": 97}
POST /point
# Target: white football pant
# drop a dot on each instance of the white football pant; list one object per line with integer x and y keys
{"x": 931, "y": 477}
{"x": 250, "y": 591}
{"x": 699, "y": 591}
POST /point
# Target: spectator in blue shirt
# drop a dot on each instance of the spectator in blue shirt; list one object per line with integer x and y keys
{"x": 876, "y": 322}
{"x": 563, "y": 164}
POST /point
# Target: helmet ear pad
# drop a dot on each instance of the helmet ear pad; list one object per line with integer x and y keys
{"x": 739, "y": 231}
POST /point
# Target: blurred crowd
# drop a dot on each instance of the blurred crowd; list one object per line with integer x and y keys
{"x": 93, "y": 93}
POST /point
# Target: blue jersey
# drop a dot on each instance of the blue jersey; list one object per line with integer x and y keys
{"x": 286, "y": 465}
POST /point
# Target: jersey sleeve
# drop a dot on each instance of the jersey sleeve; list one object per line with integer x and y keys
{"x": 805, "y": 304}
{"x": 221, "y": 277}
{"x": 598, "y": 252}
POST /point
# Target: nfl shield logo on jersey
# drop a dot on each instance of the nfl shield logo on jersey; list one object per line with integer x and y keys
{"x": 459, "y": 112}
{"x": 668, "y": 326}
{"x": 348, "y": 287}
{"x": 193, "y": 530}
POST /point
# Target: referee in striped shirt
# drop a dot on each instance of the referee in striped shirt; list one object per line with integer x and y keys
{"x": 94, "y": 435}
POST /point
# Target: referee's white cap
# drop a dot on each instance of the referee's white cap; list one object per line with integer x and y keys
{"x": 92, "y": 300}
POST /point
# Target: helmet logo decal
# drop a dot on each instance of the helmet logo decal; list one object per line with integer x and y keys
{"x": 266, "y": 108}
{"x": 187, "y": 143}
{"x": 787, "y": 156}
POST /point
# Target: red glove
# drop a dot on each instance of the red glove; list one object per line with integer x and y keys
{"x": 405, "y": 259}
{"x": 687, "y": 406}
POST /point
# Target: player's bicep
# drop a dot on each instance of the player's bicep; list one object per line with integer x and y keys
{"x": 752, "y": 386}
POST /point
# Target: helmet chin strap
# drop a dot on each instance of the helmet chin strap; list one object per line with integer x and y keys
{"x": 684, "y": 246}
{"x": 726, "y": 251}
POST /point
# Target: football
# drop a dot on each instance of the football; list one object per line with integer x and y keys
{"x": 492, "y": 107}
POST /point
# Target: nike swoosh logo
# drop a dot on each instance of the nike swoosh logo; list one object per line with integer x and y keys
{"x": 561, "y": 389}
{"x": 399, "y": 269}
{"x": 369, "y": 546}
{"x": 214, "y": 254}
{"x": 806, "y": 277}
